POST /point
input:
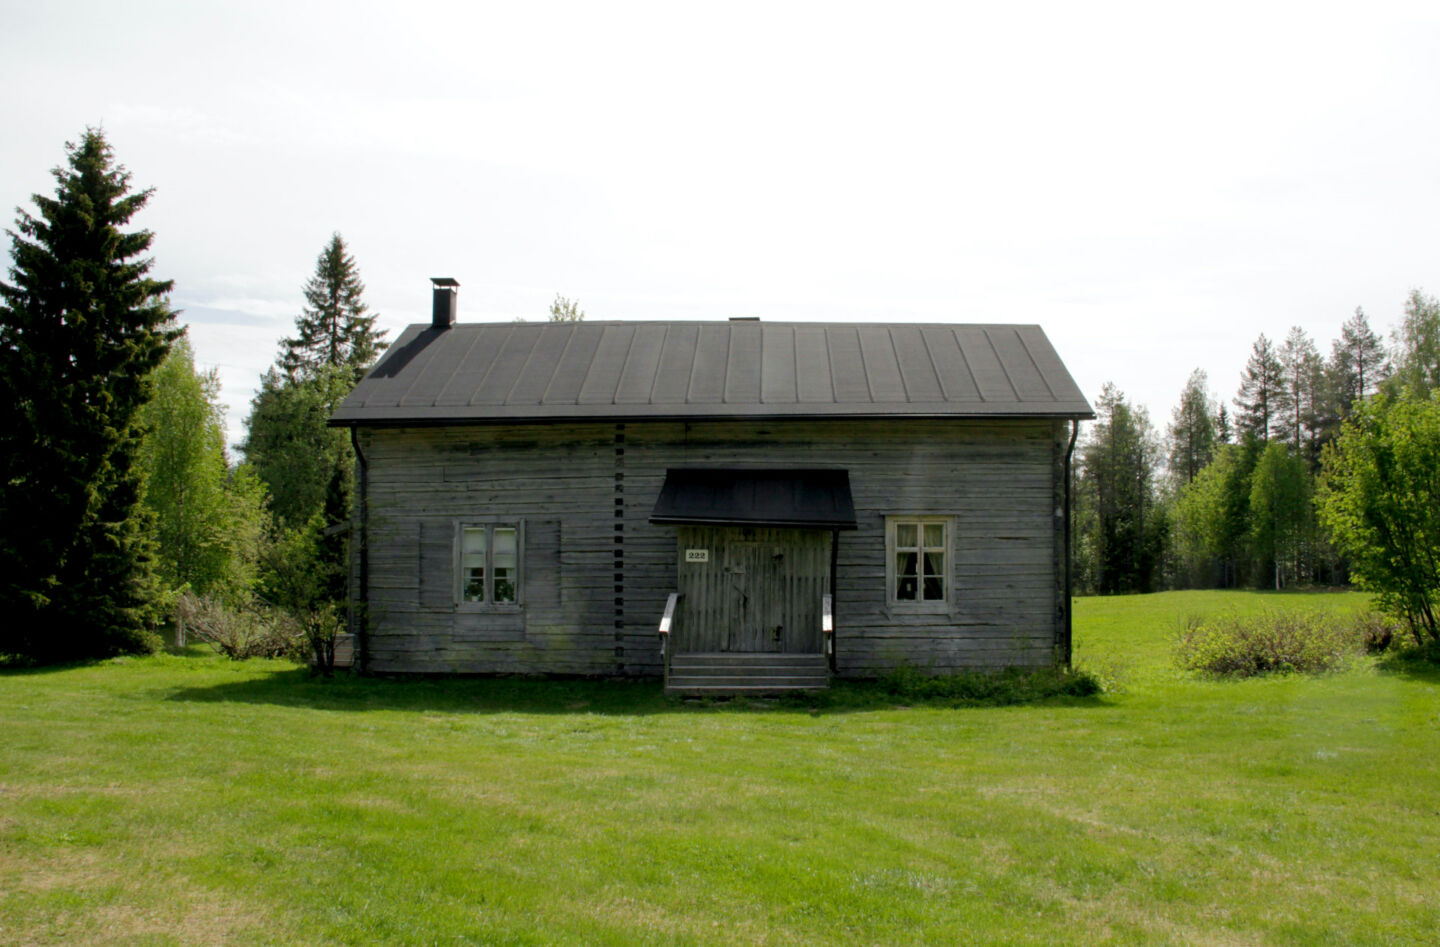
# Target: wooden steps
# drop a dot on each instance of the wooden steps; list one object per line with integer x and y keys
{"x": 732, "y": 673}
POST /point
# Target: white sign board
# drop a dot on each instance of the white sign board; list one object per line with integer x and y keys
{"x": 697, "y": 555}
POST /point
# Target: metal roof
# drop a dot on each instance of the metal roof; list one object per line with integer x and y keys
{"x": 710, "y": 496}
{"x": 556, "y": 371}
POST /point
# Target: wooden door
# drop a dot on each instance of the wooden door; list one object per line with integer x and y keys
{"x": 751, "y": 589}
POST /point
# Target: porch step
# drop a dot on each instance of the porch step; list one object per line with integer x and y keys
{"x": 725, "y": 673}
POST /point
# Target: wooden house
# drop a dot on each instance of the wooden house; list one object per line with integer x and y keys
{"x": 735, "y": 505}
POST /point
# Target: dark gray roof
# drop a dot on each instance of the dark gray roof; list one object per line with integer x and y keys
{"x": 518, "y": 371}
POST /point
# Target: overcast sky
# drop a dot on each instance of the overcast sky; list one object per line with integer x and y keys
{"x": 1154, "y": 188}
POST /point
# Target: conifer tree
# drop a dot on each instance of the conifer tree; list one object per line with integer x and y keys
{"x": 1357, "y": 362}
{"x": 335, "y": 326}
{"x": 1192, "y": 431}
{"x": 1259, "y": 387}
{"x": 1297, "y": 400}
{"x": 1117, "y": 484}
{"x": 82, "y": 326}
{"x": 1222, "y": 424}
{"x": 1417, "y": 348}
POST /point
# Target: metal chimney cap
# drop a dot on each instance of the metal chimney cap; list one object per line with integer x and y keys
{"x": 443, "y": 281}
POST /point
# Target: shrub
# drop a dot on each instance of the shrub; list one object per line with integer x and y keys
{"x": 1273, "y": 642}
{"x": 319, "y": 627}
{"x": 1412, "y": 657}
{"x": 1010, "y": 686}
{"x": 1376, "y": 631}
{"x": 240, "y": 632}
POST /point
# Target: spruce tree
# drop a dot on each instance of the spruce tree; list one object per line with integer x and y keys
{"x": 82, "y": 326}
{"x": 1260, "y": 388}
{"x": 1192, "y": 431}
{"x": 335, "y": 326}
{"x": 1117, "y": 466}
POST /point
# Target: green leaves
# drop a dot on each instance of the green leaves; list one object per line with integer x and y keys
{"x": 1381, "y": 504}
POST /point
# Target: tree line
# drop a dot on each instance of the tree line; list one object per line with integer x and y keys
{"x": 1319, "y": 475}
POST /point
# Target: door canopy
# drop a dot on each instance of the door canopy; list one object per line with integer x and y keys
{"x": 719, "y": 496}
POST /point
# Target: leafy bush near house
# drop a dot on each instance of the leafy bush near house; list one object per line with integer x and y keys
{"x": 1271, "y": 642}
{"x": 1010, "y": 686}
{"x": 320, "y": 627}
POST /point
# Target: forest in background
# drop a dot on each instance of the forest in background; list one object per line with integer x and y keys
{"x": 1229, "y": 495}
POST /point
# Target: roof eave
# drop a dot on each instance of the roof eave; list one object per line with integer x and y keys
{"x": 340, "y": 419}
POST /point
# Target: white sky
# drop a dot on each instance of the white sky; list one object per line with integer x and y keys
{"x": 1154, "y": 185}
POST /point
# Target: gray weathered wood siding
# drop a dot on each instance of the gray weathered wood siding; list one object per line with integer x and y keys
{"x": 759, "y": 590}
{"x": 595, "y": 573}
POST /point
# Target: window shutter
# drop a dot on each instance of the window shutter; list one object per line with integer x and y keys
{"x": 541, "y": 578}
{"x": 437, "y": 564}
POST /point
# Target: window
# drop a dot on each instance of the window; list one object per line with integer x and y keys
{"x": 489, "y": 564}
{"x": 917, "y": 555}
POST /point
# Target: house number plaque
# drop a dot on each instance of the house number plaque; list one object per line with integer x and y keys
{"x": 697, "y": 555}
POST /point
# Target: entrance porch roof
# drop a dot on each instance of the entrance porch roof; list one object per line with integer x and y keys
{"x": 729, "y": 496}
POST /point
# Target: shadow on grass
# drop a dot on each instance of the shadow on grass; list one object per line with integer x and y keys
{"x": 620, "y": 697}
{"x": 20, "y": 669}
{"x": 1419, "y": 664}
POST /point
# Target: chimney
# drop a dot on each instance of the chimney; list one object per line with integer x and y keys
{"x": 446, "y": 289}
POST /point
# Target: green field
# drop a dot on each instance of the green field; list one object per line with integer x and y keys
{"x": 186, "y": 799}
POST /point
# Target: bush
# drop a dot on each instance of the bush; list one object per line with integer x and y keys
{"x": 1421, "y": 657}
{"x": 1011, "y": 686}
{"x": 1376, "y": 631}
{"x": 240, "y": 632}
{"x": 1274, "y": 642}
{"x": 320, "y": 627}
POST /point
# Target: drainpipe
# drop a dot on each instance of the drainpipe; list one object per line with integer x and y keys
{"x": 1069, "y": 598}
{"x": 834, "y": 609}
{"x": 362, "y": 620}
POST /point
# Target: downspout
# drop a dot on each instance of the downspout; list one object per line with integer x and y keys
{"x": 834, "y": 609}
{"x": 362, "y": 618}
{"x": 1069, "y": 598}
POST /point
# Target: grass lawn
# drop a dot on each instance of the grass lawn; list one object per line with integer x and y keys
{"x": 186, "y": 799}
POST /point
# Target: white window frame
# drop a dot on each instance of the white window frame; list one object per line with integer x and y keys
{"x": 920, "y": 521}
{"x": 489, "y": 524}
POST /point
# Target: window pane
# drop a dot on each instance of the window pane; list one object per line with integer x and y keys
{"x": 905, "y": 580}
{"x": 934, "y": 576}
{"x": 934, "y": 535}
{"x": 505, "y": 545}
{"x": 905, "y": 534}
{"x": 504, "y": 585}
{"x": 474, "y": 584}
{"x": 504, "y": 562}
{"x": 473, "y": 541}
